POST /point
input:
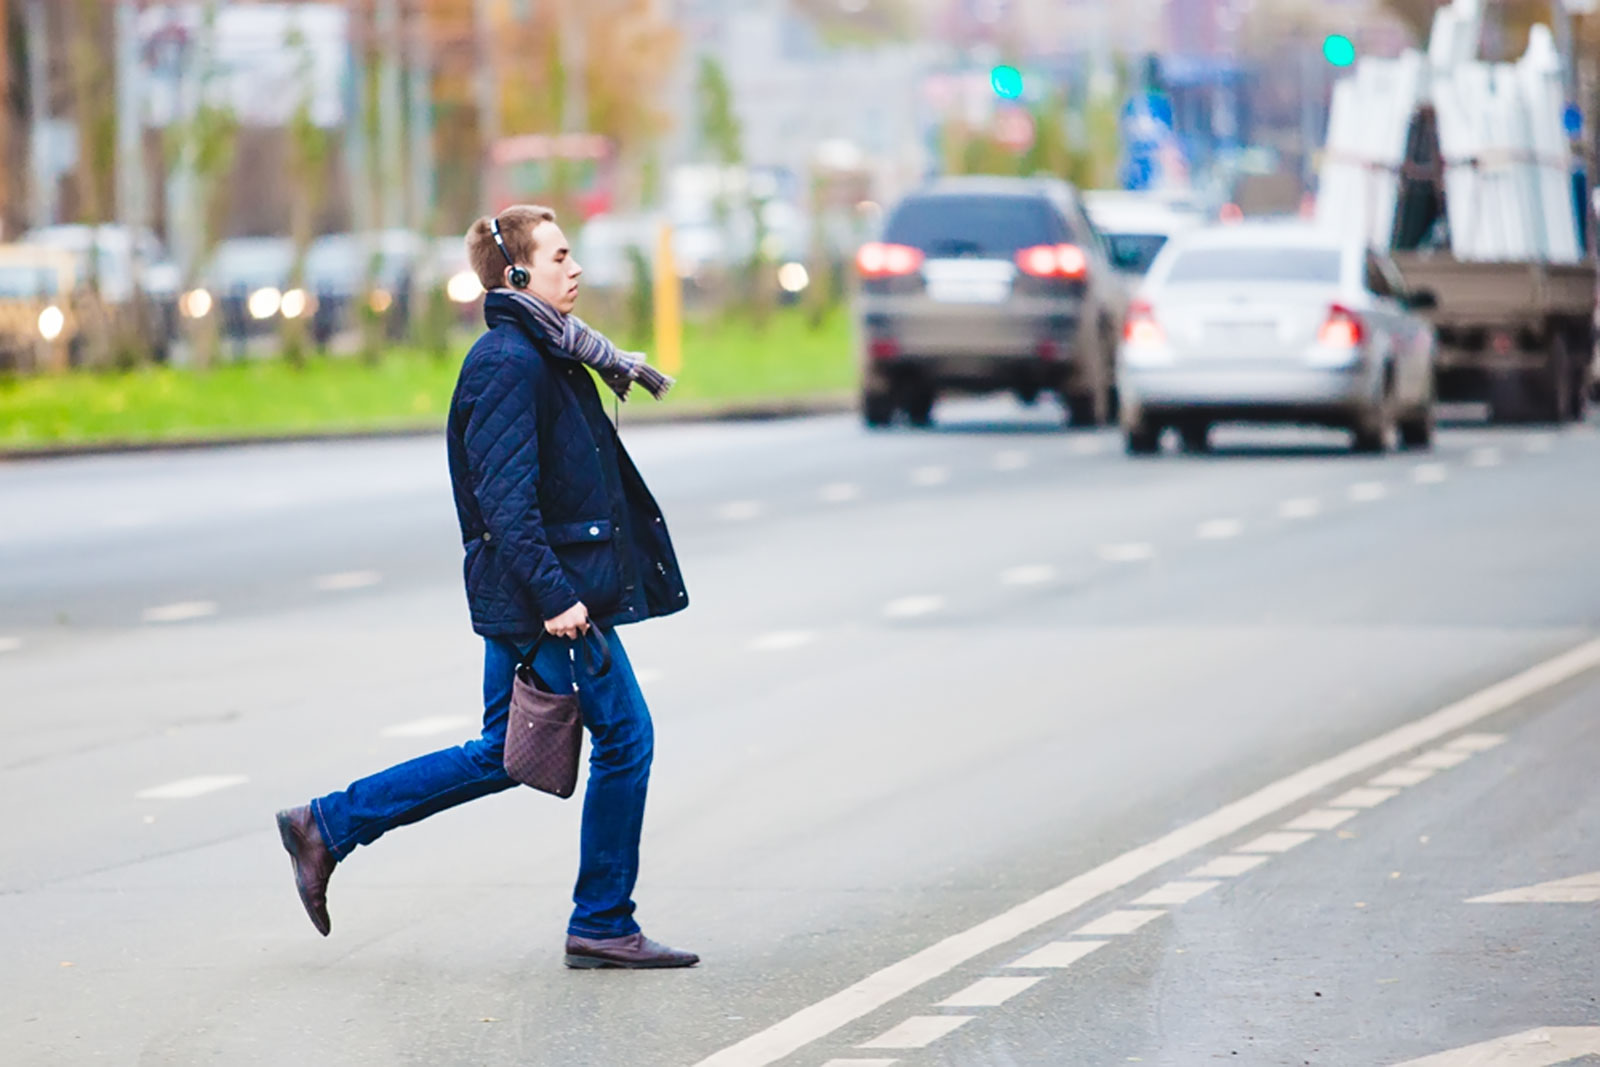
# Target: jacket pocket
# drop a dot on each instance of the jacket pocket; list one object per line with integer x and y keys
{"x": 578, "y": 533}
{"x": 589, "y": 559}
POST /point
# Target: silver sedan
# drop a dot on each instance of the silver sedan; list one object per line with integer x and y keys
{"x": 1275, "y": 323}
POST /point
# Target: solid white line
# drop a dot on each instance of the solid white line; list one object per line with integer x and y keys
{"x": 1029, "y": 574}
{"x": 185, "y": 788}
{"x": 1175, "y": 893}
{"x": 1321, "y": 819}
{"x": 919, "y": 1031}
{"x": 861, "y": 1063}
{"x": 346, "y": 580}
{"x": 181, "y": 611}
{"x": 886, "y": 985}
{"x": 782, "y": 641}
{"x": 1058, "y": 954}
{"x": 1401, "y": 777}
{"x": 1010, "y": 460}
{"x": 1276, "y": 841}
{"x": 1131, "y": 552}
{"x": 928, "y": 476}
{"x": 1301, "y": 507}
{"x": 1227, "y": 867}
{"x": 909, "y": 607}
{"x": 1367, "y": 492}
{"x": 839, "y": 493}
{"x": 1219, "y": 529}
{"x": 991, "y": 992}
{"x": 1484, "y": 457}
{"x": 437, "y": 724}
{"x": 1441, "y": 759}
{"x": 1117, "y": 923}
{"x": 10, "y": 644}
{"x": 741, "y": 510}
{"x": 1429, "y": 473}
{"x": 1362, "y": 798}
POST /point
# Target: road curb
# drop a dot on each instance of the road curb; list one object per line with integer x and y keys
{"x": 634, "y": 415}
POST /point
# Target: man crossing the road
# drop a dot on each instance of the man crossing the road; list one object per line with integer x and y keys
{"x": 561, "y": 535}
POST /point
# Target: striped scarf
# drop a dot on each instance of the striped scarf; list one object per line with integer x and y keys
{"x": 577, "y": 339}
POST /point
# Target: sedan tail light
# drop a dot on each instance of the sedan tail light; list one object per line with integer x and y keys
{"x": 1141, "y": 327}
{"x": 879, "y": 260}
{"x": 1054, "y": 261}
{"x": 1343, "y": 329}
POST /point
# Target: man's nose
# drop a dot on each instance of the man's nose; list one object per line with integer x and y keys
{"x": 575, "y": 270}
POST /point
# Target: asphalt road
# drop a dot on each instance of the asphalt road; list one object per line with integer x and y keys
{"x": 986, "y": 745}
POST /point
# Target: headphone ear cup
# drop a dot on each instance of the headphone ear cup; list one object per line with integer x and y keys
{"x": 520, "y": 278}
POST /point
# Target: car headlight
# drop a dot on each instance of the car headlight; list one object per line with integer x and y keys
{"x": 195, "y": 304}
{"x": 463, "y": 287}
{"x": 380, "y": 300}
{"x": 793, "y": 277}
{"x": 295, "y": 303}
{"x": 51, "y": 322}
{"x": 264, "y": 302}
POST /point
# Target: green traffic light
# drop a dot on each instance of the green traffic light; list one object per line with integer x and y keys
{"x": 1006, "y": 82}
{"x": 1338, "y": 50}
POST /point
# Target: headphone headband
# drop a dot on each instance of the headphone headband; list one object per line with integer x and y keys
{"x": 519, "y": 275}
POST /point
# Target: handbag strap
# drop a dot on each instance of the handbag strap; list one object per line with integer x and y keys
{"x": 581, "y": 651}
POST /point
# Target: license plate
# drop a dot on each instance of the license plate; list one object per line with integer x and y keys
{"x": 1244, "y": 334}
{"x": 969, "y": 292}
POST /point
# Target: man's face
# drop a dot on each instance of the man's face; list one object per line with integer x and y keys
{"x": 553, "y": 272}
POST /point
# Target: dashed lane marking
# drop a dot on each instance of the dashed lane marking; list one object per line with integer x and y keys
{"x": 1010, "y": 460}
{"x": 187, "y": 788}
{"x": 909, "y": 607}
{"x": 10, "y": 644}
{"x": 1441, "y": 759}
{"x": 1131, "y": 552}
{"x": 1545, "y": 1046}
{"x": 1362, "y": 798}
{"x": 1175, "y": 893}
{"x": 1477, "y": 742}
{"x": 882, "y": 987}
{"x": 1058, "y": 954}
{"x": 839, "y": 493}
{"x": 1227, "y": 866}
{"x": 1538, "y": 444}
{"x": 346, "y": 580}
{"x": 1321, "y": 819}
{"x": 1579, "y": 889}
{"x": 435, "y": 724}
{"x": 1302, "y": 507}
{"x": 1367, "y": 492}
{"x": 741, "y": 510}
{"x": 1484, "y": 457}
{"x": 1087, "y": 446}
{"x": 1219, "y": 529}
{"x": 1401, "y": 777}
{"x": 1116, "y": 923}
{"x": 1029, "y": 574}
{"x": 782, "y": 640}
{"x": 919, "y": 1031}
{"x": 1429, "y": 473}
{"x": 182, "y": 611}
{"x": 861, "y": 1063}
{"x": 930, "y": 476}
{"x": 990, "y": 992}
{"x": 1277, "y": 841}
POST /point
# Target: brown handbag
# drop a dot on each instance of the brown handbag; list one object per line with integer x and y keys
{"x": 544, "y": 736}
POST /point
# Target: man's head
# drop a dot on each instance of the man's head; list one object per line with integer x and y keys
{"x": 531, "y": 240}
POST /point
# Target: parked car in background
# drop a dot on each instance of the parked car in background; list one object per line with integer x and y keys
{"x": 1136, "y": 225}
{"x": 135, "y": 278}
{"x": 983, "y": 285}
{"x": 245, "y": 282}
{"x": 338, "y": 269}
{"x": 1275, "y": 323}
{"x": 39, "y": 319}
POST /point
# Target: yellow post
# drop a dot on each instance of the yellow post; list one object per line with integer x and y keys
{"x": 668, "y": 306}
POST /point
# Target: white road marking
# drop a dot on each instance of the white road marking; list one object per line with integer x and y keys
{"x": 909, "y": 607}
{"x": 919, "y": 1031}
{"x": 1219, "y": 529}
{"x": 861, "y": 1063}
{"x": 1227, "y": 867}
{"x": 436, "y": 724}
{"x": 1277, "y": 841}
{"x": 647, "y": 675}
{"x": 1116, "y": 923}
{"x": 839, "y": 493}
{"x": 1029, "y": 574}
{"x": 991, "y": 992}
{"x": 1086, "y": 446}
{"x": 1010, "y": 460}
{"x": 1579, "y": 889}
{"x": 10, "y": 644}
{"x": 1542, "y": 443}
{"x": 1321, "y": 819}
{"x": 782, "y": 640}
{"x": 741, "y": 510}
{"x": 872, "y": 992}
{"x": 1175, "y": 893}
{"x": 1401, "y": 777}
{"x": 186, "y": 788}
{"x": 1130, "y": 552}
{"x": 1058, "y": 954}
{"x": 1362, "y": 798}
{"x": 1477, "y": 742}
{"x": 928, "y": 476}
{"x": 346, "y": 580}
{"x": 1367, "y": 492}
{"x": 1441, "y": 759}
{"x": 1429, "y": 473}
{"x": 1484, "y": 457}
{"x": 1301, "y": 507}
{"x": 1543, "y": 1047}
{"x": 181, "y": 611}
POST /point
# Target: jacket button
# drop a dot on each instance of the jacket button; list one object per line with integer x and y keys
{"x": 486, "y": 536}
{"x": 594, "y": 531}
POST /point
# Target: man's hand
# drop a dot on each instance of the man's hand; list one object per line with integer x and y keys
{"x": 570, "y": 623}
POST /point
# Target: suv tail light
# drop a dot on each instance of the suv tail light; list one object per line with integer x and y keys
{"x": 879, "y": 260}
{"x": 1054, "y": 261}
{"x": 1141, "y": 327}
{"x": 1343, "y": 329}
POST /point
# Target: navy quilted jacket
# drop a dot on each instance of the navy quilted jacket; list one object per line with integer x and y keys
{"x": 552, "y": 509}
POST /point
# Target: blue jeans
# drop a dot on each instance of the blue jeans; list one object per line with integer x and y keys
{"x": 622, "y": 741}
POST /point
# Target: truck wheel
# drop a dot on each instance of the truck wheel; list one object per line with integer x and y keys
{"x": 919, "y": 407}
{"x": 1555, "y": 393}
{"x": 877, "y": 409}
{"x": 1196, "y": 436}
{"x": 1417, "y": 431}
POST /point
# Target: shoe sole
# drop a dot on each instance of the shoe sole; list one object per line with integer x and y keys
{"x": 595, "y": 963}
{"x": 291, "y": 845}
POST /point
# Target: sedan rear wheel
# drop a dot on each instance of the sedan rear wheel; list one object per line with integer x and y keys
{"x": 1416, "y": 432}
{"x": 1196, "y": 436}
{"x": 1372, "y": 431}
{"x": 1143, "y": 438}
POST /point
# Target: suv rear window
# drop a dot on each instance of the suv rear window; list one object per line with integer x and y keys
{"x": 952, "y": 225}
{"x": 1287, "y": 264}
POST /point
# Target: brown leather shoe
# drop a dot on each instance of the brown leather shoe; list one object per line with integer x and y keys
{"x": 634, "y": 952}
{"x": 313, "y": 863}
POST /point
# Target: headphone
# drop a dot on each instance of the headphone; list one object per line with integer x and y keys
{"x": 519, "y": 275}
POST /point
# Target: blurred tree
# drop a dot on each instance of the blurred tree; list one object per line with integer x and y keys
{"x": 310, "y": 147}
{"x": 721, "y": 137}
{"x": 858, "y": 22}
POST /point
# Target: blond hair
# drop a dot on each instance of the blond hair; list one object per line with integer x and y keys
{"x": 517, "y": 224}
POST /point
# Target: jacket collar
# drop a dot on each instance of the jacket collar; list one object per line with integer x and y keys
{"x": 501, "y": 307}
